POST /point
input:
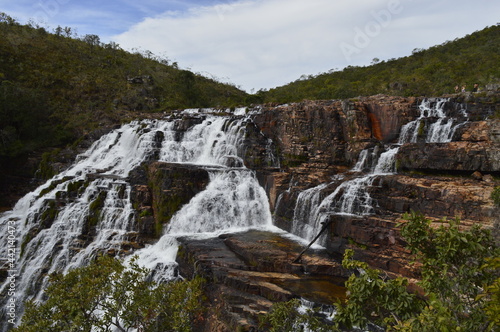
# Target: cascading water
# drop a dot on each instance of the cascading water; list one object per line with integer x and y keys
{"x": 307, "y": 215}
{"x": 434, "y": 124}
{"x": 351, "y": 197}
{"x": 86, "y": 209}
{"x": 53, "y": 223}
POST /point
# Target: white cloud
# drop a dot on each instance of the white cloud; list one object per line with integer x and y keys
{"x": 266, "y": 43}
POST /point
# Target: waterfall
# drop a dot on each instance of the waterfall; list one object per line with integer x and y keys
{"x": 307, "y": 218}
{"x": 362, "y": 161}
{"x": 208, "y": 143}
{"x": 386, "y": 162}
{"x": 233, "y": 200}
{"x": 351, "y": 197}
{"x": 86, "y": 209}
{"x": 55, "y": 226}
{"x": 434, "y": 124}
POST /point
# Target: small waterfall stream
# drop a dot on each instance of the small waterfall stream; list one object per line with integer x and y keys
{"x": 351, "y": 197}
{"x": 434, "y": 125}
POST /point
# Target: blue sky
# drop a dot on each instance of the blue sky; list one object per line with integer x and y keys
{"x": 258, "y": 44}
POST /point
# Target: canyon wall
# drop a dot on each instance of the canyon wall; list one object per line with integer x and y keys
{"x": 304, "y": 153}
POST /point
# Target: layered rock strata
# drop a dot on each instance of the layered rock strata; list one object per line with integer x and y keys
{"x": 248, "y": 272}
{"x": 319, "y": 141}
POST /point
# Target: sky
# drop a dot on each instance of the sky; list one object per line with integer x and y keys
{"x": 261, "y": 44}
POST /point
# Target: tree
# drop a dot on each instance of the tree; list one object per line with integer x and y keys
{"x": 456, "y": 278}
{"x": 58, "y": 31}
{"x": 374, "y": 298}
{"x": 455, "y": 273}
{"x": 92, "y": 40}
{"x": 107, "y": 296}
{"x": 68, "y": 32}
{"x": 4, "y": 18}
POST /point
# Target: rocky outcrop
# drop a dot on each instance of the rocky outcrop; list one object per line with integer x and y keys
{"x": 436, "y": 197}
{"x": 248, "y": 272}
{"x": 475, "y": 148}
{"x": 465, "y": 157}
{"x": 159, "y": 189}
{"x": 318, "y": 143}
{"x": 313, "y": 146}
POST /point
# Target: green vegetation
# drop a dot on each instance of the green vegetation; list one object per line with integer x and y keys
{"x": 54, "y": 87}
{"x": 495, "y": 196}
{"x": 460, "y": 285}
{"x": 294, "y": 160}
{"x": 431, "y": 72}
{"x": 106, "y": 296}
{"x": 285, "y": 317}
{"x": 95, "y": 209}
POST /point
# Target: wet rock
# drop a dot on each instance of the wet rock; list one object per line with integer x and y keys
{"x": 319, "y": 142}
{"x": 477, "y": 176}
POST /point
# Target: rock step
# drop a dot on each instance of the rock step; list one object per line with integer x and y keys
{"x": 250, "y": 271}
{"x": 238, "y": 310}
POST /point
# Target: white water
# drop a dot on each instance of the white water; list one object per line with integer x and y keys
{"x": 350, "y": 197}
{"x": 307, "y": 216}
{"x": 433, "y": 123}
{"x": 233, "y": 200}
{"x": 386, "y": 162}
{"x": 58, "y": 246}
{"x": 361, "y": 164}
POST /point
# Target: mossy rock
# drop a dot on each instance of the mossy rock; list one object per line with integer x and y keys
{"x": 95, "y": 209}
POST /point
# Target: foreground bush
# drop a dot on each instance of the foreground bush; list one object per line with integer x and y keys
{"x": 460, "y": 280}
{"x": 107, "y": 296}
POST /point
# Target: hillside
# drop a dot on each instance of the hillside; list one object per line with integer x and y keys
{"x": 431, "y": 72}
{"x": 56, "y": 86}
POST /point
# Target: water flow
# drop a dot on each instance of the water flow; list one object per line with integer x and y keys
{"x": 213, "y": 142}
{"x": 434, "y": 125}
{"x": 307, "y": 216}
{"x": 232, "y": 201}
{"x": 86, "y": 209}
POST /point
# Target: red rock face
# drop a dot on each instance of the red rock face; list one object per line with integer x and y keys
{"x": 321, "y": 139}
{"x": 388, "y": 114}
{"x": 315, "y": 143}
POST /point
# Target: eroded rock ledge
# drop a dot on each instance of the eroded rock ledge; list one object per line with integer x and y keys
{"x": 248, "y": 272}
{"x": 315, "y": 142}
